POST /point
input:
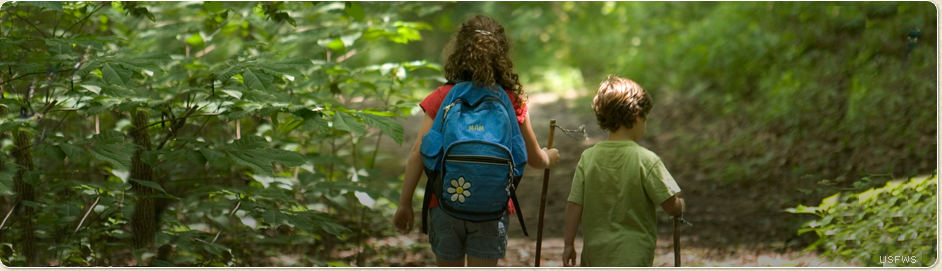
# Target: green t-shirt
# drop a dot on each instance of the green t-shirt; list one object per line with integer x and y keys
{"x": 619, "y": 184}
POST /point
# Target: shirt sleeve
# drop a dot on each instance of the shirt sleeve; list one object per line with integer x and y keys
{"x": 521, "y": 111}
{"x": 577, "y": 192}
{"x": 433, "y": 101}
{"x": 659, "y": 184}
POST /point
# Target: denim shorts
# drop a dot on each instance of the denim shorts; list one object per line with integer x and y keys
{"x": 452, "y": 238}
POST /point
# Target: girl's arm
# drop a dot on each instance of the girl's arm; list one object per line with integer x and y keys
{"x": 536, "y": 157}
{"x": 403, "y": 219}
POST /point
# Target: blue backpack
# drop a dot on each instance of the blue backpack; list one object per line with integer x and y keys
{"x": 474, "y": 155}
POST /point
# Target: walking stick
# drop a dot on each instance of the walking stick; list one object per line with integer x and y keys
{"x": 676, "y": 241}
{"x": 546, "y": 174}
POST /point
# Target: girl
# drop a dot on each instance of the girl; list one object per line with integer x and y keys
{"x": 478, "y": 52}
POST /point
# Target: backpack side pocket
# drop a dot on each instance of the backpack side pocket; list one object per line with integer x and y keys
{"x": 431, "y": 148}
{"x": 518, "y": 152}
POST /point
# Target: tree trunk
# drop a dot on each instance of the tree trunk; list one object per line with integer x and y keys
{"x": 143, "y": 222}
{"x": 26, "y": 192}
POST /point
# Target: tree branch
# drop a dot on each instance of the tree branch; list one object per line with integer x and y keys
{"x": 170, "y": 120}
{"x": 231, "y": 213}
{"x": 56, "y": 26}
{"x": 380, "y": 137}
{"x": 8, "y": 215}
{"x": 27, "y": 74}
{"x": 174, "y": 128}
{"x": 82, "y": 21}
{"x": 90, "y": 209}
{"x": 31, "y": 24}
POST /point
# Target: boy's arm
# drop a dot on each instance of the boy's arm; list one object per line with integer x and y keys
{"x": 674, "y": 205}
{"x": 573, "y": 217}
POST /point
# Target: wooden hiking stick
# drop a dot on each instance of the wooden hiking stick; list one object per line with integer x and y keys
{"x": 546, "y": 174}
{"x": 676, "y": 241}
{"x": 578, "y": 134}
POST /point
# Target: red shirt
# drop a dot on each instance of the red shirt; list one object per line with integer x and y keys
{"x": 431, "y": 104}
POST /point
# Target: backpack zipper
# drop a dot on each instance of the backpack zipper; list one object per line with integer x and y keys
{"x": 510, "y": 176}
{"x": 445, "y": 115}
{"x": 477, "y": 159}
{"x": 456, "y": 101}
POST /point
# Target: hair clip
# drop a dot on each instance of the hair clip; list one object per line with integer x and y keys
{"x": 483, "y": 32}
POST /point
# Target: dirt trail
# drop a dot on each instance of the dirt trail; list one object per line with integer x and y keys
{"x": 733, "y": 226}
{"x": 412, "y": 250}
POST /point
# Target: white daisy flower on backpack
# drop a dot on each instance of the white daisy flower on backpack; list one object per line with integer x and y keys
{"x": 459, "y": 190}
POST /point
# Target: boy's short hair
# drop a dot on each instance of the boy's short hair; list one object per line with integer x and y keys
{"x": 618, "y": 101}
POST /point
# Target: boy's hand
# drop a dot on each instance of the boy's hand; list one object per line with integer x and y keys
{"x": 569, "y": 256}
{"x": 403, "y": 219}
{"x": 553, "y": 155}
{"x": 674, "y": 206}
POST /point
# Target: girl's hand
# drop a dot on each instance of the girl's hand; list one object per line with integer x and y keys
{"x": 569, "y": 256}
{"x": 403, "y": 219}
{"x": 553, "y": 155}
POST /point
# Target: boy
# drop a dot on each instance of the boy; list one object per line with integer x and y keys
{"x": 618, "y": 184}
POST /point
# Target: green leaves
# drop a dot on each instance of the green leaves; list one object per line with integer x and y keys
{"x": 354, "y": 10}
{"x": 109, "y": 146}
{"x": 176, "y": 61}
{"x": 150, "y": 157}
{"x": 253, "y": 152}
{"x": 336, "y": 45}
{"x": 50, "y": 5}
{"x": 347, "y": 122}
{"x": 6, "y": 179}
{"x": 115, "y": 74}
{"x": 256, "y": 80}
{"x": 286, "y": 158}
{"x": 388, "y": 125}
{"x": 251, "y": 158}
{"x": 250, "y": 142}
{"x": 801, "y": 209}
{"x": 70, "y": 150}
{"x": 857, "y": 227}
{"x": 149, "y": 184}
{"x": 196, "y": 40}
{"x": 213, "y": 6}
{"x": 93, "y": 88}
{"x": 211, "y": 155}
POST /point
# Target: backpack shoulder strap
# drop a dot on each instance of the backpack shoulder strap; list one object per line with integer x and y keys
{"x": 513, "y": 198}
{"x": 428, "y": 198}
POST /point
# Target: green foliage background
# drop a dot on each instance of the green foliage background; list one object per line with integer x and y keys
{"x": 267, "y": 119}
{"x": 899, "y": 219}
{"x": 773, "y": 88}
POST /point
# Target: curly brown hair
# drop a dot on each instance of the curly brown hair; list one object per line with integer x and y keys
{"x": 480, "y": 52}
{"x": 619, "y": 102}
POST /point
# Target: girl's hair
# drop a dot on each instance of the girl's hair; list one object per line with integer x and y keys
{"x": 619, "y": 101}
{"x": 480, "y": 52}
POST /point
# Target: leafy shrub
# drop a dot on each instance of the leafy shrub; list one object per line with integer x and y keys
{"x": 200, "y": 133}
{"x": 874, "y": 226}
